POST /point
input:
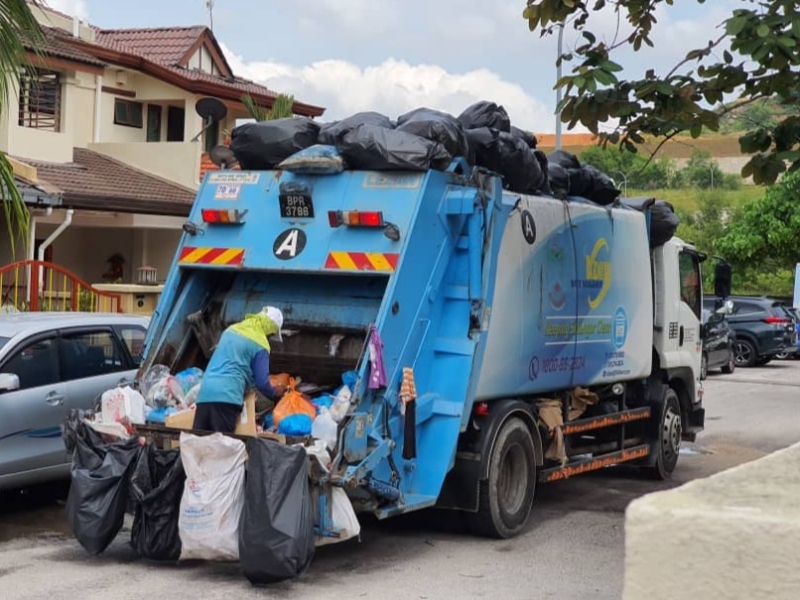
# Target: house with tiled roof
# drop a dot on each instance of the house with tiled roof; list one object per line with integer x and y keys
{"x": 104, "y": 127}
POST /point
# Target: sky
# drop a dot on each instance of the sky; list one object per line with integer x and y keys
{"x": 392, "y": 56}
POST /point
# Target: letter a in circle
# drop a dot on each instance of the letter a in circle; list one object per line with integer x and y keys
{"x": 289, "y": 244}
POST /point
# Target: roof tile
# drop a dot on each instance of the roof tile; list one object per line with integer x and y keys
{"x": 164, "y": 45}
{"x": 56, "y": 44}
{"x": 99, "y": 181}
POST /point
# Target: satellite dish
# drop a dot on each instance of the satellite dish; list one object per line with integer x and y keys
{"x": 211, "y": 109}
{"x": 222, "y": 156}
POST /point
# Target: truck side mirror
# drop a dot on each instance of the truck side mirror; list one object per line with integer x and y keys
{"x": 722, "y": 279}
{"x": 8, "y": 382}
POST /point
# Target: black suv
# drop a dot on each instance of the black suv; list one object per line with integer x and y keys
{"x": 763, "y": 328}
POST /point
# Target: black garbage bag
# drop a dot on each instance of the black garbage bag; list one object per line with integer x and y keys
{"x": 599, "y": 187}
{"x": 332, "y": 133}
{"x": 564, "y": 159}
{"x": 525, "y": 136}
{"x": 373, "y": 148}
{"x": 485, "y": 114}
{"x": 262, "y": 145}
{"x": 156, "y": 488}
{"x": 74, "y": 428}
{"x": 276, "y": 535}
{"x": 663, "y": 223}
{"x": 98, "y": 494}
{"x": 436, "y": 126}
{"x": 544, "y": 186}
{"x": 558, "y": 178}
{"x": 509, "y": 156}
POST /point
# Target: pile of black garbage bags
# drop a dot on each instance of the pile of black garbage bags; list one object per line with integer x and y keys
{"x": 425, "y": 139}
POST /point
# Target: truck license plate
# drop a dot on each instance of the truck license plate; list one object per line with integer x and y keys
{"x": 296, "y": 205}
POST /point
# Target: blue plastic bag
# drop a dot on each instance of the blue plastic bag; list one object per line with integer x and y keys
{"x": 159, "y": 415}
{"x": 315, "y": 160}
{"x": 323, "y": 401}
{"x": 349, "y": 378}
{"x": 188, "y": 378}
{"x": 297, "y": 425}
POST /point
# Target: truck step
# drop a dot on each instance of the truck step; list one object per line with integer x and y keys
{"x": 618, "y": 418}
{"x": 412, "y": 502}
{"x": 458, "y": 346}
{"x": 594, "y": 463}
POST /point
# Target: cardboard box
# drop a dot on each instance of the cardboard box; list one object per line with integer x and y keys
{"x": 246, "y": 425}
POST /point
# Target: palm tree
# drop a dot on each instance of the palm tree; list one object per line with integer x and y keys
{"x": 281, "y": 108}
{"x": 17, "y": 26}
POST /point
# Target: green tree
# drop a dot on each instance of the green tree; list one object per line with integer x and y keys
{"x": 17, "y": 23}
{"x": 638, "y": 172}
{"x": 764, "y": 232}
{"x": 756, "y": 56}
{"x": 281, "y": 108}
{"x": 702, "y": 171}
{"x": 763, "y": 113}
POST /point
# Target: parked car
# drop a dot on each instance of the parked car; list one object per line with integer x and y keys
{"x": 719, "y": 340}
{"x": 51, "y": 363}
{"x": 763, "y": 328}
{"x": 792, "y": 352}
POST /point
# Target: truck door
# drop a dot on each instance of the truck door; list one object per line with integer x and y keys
{"x": 690, "y": 311}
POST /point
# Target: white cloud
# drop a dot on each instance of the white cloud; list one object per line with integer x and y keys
{"x": 75, "y": 8}
{"x": 394, "y": 87}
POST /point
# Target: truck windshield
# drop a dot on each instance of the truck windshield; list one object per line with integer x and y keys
{"x": 689, "y": 267}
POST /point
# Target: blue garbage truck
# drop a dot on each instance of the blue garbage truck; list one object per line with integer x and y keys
{"x": 546, "y": 338}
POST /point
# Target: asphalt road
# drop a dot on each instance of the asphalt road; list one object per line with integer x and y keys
{"x": 573, "y": 549}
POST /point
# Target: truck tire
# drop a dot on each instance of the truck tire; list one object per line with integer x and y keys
{"x": 506, "y": 496}
{"x": 669, "y": 436}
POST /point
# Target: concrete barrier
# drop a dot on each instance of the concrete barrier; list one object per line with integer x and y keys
{"x": 734, "y": 535}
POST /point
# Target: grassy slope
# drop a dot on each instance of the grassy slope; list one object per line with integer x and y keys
{"x": 687, "y": 199}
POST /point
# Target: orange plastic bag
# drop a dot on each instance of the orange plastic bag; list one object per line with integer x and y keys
{"x": 293, "y": 403}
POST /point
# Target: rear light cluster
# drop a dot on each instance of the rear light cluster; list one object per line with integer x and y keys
{"x": 223, "y": 217}
{"x": 777, "y": 321}
{"x": 355, "y": 218}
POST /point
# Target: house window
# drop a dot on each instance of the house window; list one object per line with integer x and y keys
{"x": 128, "y": 113}
{"x": 176, "y": 121}
{"x": 40, "y": 99}
{"x": 153, "y": 123}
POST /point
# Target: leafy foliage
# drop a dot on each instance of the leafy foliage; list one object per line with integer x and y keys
{"x": 760, "y": 61}
{"x": 638, "y": 172}
{"x": 703, "y": 172}
{"x": 17, "y": 23}
{"x": 281, "y": 108}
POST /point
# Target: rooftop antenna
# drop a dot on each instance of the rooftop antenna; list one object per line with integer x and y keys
{"x": 210, "y": 7}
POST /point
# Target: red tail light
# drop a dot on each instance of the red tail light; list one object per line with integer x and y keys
{"x": 481, "y": 410}
{"x": 355, "y": 218}
{"x": 223, "y": 217}
{"x": 776, "y": 321}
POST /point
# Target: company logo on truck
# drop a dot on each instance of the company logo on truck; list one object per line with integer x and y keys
{"x": 598, "y": 272}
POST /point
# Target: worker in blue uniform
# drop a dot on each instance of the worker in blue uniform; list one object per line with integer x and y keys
{"x": 239, "y": 362}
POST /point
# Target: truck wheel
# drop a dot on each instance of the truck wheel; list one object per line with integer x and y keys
{"x": 746, "y": 354}
{"x": 506, "y": 497}
{"x": 669, "y": 436}
{"x": 730, "y": 366}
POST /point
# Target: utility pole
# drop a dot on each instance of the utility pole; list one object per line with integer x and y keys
{"x": 558, "y": 89}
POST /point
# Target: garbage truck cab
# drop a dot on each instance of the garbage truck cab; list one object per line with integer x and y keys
{"x": 544, "y": 338}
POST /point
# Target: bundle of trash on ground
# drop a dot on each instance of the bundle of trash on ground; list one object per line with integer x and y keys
{"x": 244, "y": 497}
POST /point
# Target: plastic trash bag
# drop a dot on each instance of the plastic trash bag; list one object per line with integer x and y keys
{"x": 485, "y": 114}
{"x": 263, "y": 145}
{"x": 122, "y": 405}
{"x": 293, "y": 403}
{"x": 509, "y": 156}
{"x": 564, "y": 159}
{"x": 152, "y": 376}
{"x": 529, "y": 138}
{"x": 324, "y": 428}
{"x": 344, "y": 518}
{"x": 99, "y": 491}
{"x": 333, "y": 133}
{"x": 315, "y": 160}
{"x": 276, "y": 539}
{"x": 373, "y": 148}
{"x": 213, "y": 496}
{"x": 592, "y": 184}
{"x": 191, "y": 396}
{"x": 436, "y": 126}
{"x": 558, "y": 178}
{"x": 188, "y": 378}
{"x": 298, "y": 425}
{"x": 663, "y": 223}
{"x": 156, "y": 489}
